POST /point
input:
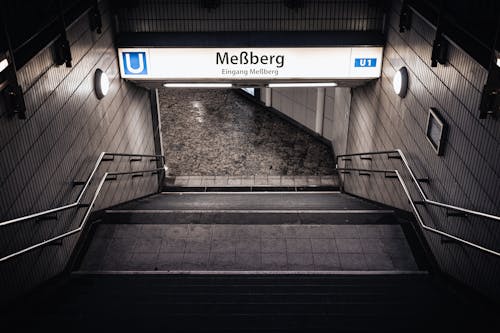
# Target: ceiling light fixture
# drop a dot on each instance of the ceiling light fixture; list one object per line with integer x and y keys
{"x": 101, "y": 83}
{"x": 400, "y": 82}
{"x": 198, "y": 85}
{"x": 303, "y": 85}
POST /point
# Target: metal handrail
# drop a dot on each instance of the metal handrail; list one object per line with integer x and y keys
{"x": 424, "y": 200}
{"x": 417, "y": 183}
{"x": 77, "y": 203}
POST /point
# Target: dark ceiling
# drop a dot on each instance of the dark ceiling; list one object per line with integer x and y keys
{"x": 32, "y": 24}
{"x": 473, "y": 25}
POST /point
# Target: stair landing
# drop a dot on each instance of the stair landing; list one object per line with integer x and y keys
{"x": 253, "y": 248}
{"x": 252, "y": 181}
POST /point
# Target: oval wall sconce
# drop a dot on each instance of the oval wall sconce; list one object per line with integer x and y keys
{"x": 101, "y": 83}
{"x": 400, "y": 82}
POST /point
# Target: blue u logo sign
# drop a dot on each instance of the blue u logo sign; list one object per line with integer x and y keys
{"x": 134, "y": 63}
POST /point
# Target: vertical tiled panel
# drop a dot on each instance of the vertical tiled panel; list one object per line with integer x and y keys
{"x": 65, "y": 131}
{"x": 297, "y": 103}
{"x": 467, "y": 174}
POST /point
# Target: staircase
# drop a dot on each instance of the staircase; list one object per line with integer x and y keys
{"x": 229, "y": 303}
{"x": 256, "y": 262}
{"x": 257, "y": 231}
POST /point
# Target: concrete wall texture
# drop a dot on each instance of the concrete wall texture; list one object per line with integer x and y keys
{"x": 66, "y": 129}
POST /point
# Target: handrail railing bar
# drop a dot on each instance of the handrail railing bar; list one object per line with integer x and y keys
{"x": 425, "y": 200}
{"x": 381, "y": 152}
{"x": 460, "y": 209}
{"x": 83, "y": 190}
{"x": 91, "y": 176}
{"x": 417, "y": 183}
{"x": 66, "y": 234}
{"x": 35, "y": 215}
{"x": 366, "y": 170}
{"x": 436, "y": 231}
{"x": 132, "y": 172}
{"x": 82, "y": 224}
{"x": 138, "y": 155}
{"x": 428, "y": 201}
{"x": 30, "y": 248}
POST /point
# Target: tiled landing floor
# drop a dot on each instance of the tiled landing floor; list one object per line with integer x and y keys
{"x": 259, "y": 180}
{"x": 219, "y": 132}
{"x": 206, "y": 247}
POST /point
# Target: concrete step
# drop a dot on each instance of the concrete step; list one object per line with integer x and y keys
{"x": 288, "y": 201}
{"x": 250, "y": 303}
{"x": 250, "y": 208}
{"x": 268, "y": 249}
{"x": 245, "y": 217}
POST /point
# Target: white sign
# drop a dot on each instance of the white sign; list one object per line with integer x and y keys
{"x": 232, "y": 64}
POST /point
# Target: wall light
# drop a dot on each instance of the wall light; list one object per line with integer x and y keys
{"x": 198, "y": 85}
{"x": 101, "y": 83}
{"x": 4, "y": 64}
{"x": 400, "y": 82}
{"x": 497, "y": 54}
{"x": 314, "y": 84}
{"x": 10, "y": 91}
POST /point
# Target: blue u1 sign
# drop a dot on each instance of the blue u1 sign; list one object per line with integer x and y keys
{"x": 365, "y": 62}
{"x": 134, "y": 63}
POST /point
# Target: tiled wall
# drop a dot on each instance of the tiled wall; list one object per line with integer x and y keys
{"x": 297, "y": 103}
{"x": 66, "y": 129}
{"x": 336, "y": 122}
{"x": 300, "y": 105}
{"x": 468, "y": 172}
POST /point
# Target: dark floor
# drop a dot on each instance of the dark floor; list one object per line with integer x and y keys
{"x": 268, "y": 231}
{"x": 221, "y": 133}
{"x": 249, "y": 303}
{"x": 289, "y": 201}
{"x": 230, "y": 247}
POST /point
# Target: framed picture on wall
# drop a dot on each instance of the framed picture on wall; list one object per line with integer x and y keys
{"x": 435, "y": 130}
